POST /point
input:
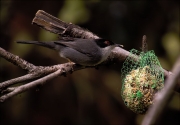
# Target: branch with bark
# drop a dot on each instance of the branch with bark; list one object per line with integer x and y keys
{"x": 39, "y": 75}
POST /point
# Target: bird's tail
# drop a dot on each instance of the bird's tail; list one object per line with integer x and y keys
{"x": 50, "y": 45}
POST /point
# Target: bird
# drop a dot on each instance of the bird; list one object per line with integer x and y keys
{"x": 86, "y": 52}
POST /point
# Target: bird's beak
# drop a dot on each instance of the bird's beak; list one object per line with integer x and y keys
{"x": 119, "y": 45}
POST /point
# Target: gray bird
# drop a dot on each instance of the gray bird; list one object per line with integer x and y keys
{"x": 87, "y": 52}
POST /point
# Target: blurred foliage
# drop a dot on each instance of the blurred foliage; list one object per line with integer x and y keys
{"x": 88, "y": 96}
{"x": 171, "y": 44}
{"x": 21, "y": 50}
{"x": 74, "y": 11}
{"x": 46, "y": 36}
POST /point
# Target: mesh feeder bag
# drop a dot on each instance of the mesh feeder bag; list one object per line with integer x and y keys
{"x": 142, "y": 77}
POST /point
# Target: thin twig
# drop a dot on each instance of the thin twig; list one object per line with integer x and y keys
{"x": 144, "y": 44}
{"x": 17, "y": 80}
{"x": 30, "y": 85}
{"x": 162, "y": 98}
{"x": 16, "y": 60}
{"x": 10, "y": 89}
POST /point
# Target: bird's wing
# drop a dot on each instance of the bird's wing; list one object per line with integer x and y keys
{"x": 67, "y": 39}
{"x": 83, "y": 46}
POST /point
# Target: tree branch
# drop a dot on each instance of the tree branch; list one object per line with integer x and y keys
{"x": 57, "y": 26}
{"x": 30, "y": 85}
{"x": 38, "y": 71}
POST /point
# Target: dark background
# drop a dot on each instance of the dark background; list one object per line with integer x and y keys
{"x": 88, "y": 96}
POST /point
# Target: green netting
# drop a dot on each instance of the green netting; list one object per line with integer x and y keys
{"x": 142, "y": 77}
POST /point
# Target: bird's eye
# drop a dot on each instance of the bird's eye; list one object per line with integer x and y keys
{"x": 107, "y": 43}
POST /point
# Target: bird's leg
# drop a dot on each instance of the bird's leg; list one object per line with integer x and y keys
{"x": 71, "y": 64}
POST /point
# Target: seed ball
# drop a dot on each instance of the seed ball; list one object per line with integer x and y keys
{"x": 139, "y": 88}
